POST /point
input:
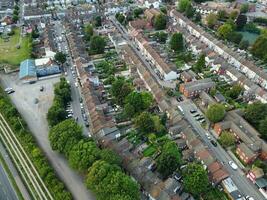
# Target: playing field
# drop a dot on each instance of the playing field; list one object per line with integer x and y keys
{"x": 10, "y": 54}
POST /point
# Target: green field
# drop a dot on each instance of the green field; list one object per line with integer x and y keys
{"x": 9, "y": 54}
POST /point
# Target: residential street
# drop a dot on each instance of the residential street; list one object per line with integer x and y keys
{"x": 244, "y": 185}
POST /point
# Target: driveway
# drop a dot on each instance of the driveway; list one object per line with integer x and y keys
{"x": 35, "y": 116}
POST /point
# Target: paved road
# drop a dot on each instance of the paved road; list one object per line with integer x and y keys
{"x": 7, "y": 192}
{"x": 239, "y": 178}
{"x": 14, "y": 173}
{"x": 75, "y": 91}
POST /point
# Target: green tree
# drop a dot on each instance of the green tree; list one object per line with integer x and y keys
{"x": 200, "y": 64}
{"x": 64, "y": 136}
{"x": 97, "y": 44}
{"x": 120, "y": 89}
{"x": 196, "y": 179}
{"x": 160, "y": 22}
{"x": 221, "y": 14}
{"x": 62, "y": 92}
{"x": 255, "y": 112}
{"x": 120, "y": 17}
{"x": 177, "y": 42}
{"x": 144, "y": 122}
{"x": 118, "y": 185}
{"x": 97, "y": 173}
{"x": 244, "y": 8}
{"x": 183, "y": 5}
{"x": 233, "y": 15}
{"x": 15, "y": 17}
{"x": 211, "y": 20}
{"x": 263, "y": 128}
{"x": 111, "y": 157}
{"x": 137, "y": 102}
{"x": 169, "y": 159}
{"x": 235, "y": 37}
{"x": 56, "y": 114}
{"x": 215, "y": 113}
{"x": 83, "y": 155}
{"x": 88, "y": 31}
{"x": 244, "y": 44}
{"x": 137, "y": 12}
{"x": 109, "y": 183}
{"x": 227, "y": 139}
{"x": 60, "y": 57}
{"x": 98, "y": 21}
{"x": 234, "y": 92}
{"x": 189, "y": 11}
{"x": 224, "y": 31}
{"x": 241, "y": 21}
{"x": 259, "y": 48}
{"x": 161, "y": 36}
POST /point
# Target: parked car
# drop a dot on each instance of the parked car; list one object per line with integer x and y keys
{"x": 177, "y": 176}
{"x": 9, "y": 90}
{"x": 214, "y": 143}
{"x": 233, "y": 165}
{"x": 193, "y": 111}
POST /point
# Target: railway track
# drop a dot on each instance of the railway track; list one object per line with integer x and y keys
{"x": 28, "y": 172}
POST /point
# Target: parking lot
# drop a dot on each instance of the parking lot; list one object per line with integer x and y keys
{"x": 24, "y": 98}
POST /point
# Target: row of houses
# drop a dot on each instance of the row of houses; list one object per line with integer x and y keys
{"x": 104, "y": 130}
{"x": 220, "y": 65}
{"x": 205, "y": 40}
{"x": 197, "y": 150}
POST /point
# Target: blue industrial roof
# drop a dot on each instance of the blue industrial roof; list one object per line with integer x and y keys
{"x": 27, "y": 68}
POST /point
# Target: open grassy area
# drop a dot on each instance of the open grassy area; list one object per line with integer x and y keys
{"x": 9, "y": 54}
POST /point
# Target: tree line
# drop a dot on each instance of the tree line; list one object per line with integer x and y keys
{"x": 102, "y": 167}
{"x": 42, "y": 165}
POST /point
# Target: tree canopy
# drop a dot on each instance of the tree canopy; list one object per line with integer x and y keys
{"x": 200, "y": 64}
{"x": 65, "y": 135}
{"x": 227, "y": 139}
{"x": 263, "y": 128}
{"x": 215, "y": 113}
{"x": 259, "y": 48}
{"x": 109, "y": 183}
{"x": 137, "y": 102}
{"x": 160, "y": 22}
{"x": 183, "y": 4}
{"x": 234, "y": 92}
{"x": 177, "y": 42}
{"x": 241, "y": 21}
{"x": 88, "y": 31}
{"x": 60, "y": 57}
{"x": 144, "y": 122}
{"x": 120, "y": 89}
{"x": 83, "y": 155}
{"x": 255, "y": 112}
{"x": 56, "y": 114}
{"x": 97, "y": 44}
{"x": 211, "y": 20}
{"x": 169, "y": 159}
{"x": 224, "y": 30}
{"x": 195, "y": 179}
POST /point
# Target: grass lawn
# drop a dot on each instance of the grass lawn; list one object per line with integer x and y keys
{"x": 149, "y": 151}
{"x": 9, "y": 54}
